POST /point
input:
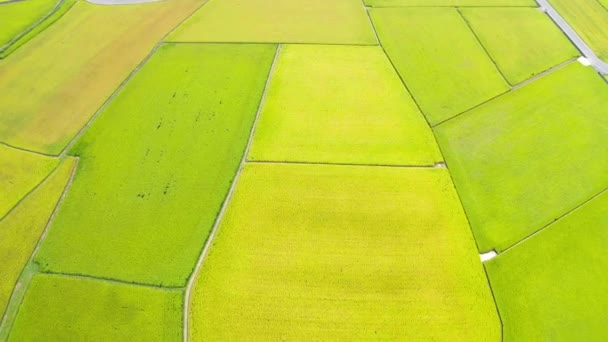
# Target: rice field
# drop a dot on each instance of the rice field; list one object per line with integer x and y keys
{"x": 554, "y": 284}
{"x": 524, "y": 50}
{"x": 589, "y": 18}
{"x": 354, "y": 253}
{"x": 118, "y": 220}
{"x": 350, "y": 121}
{"x": 75, "y": 68}
{"x": 517, "y": 164}
{"x": 53, "y": 311}
{"x": 189, "y": 170}
{"x": 20, "y": 172}
{"x": 278, "y": 21}
{"x": 440, "y": 60}
{"x": 21, "y": 229}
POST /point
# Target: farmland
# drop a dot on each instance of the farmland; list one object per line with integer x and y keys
{"x": 463, "y": 75}
{"x": 132, "y": 180}
{"x": 556, "y": 275}
{"x": 20, "y": 172}
{"x": 113, "y": 311}
{"x": 279, "y": 21}
{"x": 348, "y": 113}
{"x": 331, "y": 262}
{"x": 589, "y": 18}
{"x": 210, "y": 170}
{"x": 517, "y": 168}
{"x": 22, "y": 228}
{"x": 522, "y": 51}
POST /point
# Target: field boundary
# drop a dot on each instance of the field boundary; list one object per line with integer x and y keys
{"x": 20, "y": 288}
{"x": 233, "y": 185}
{"x": 568, "y": 212}
{"x": 399, "y": 166}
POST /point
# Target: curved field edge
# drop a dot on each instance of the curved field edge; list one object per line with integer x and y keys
{"x": 20, "y": 234}
{"x": 62, "y": 7}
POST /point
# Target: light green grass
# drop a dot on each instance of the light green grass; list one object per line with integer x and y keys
{"x": 318, "y": 252}
{"x": 66, "y": 72}
{"x": 440, "y": 60}
{"x": 20, "y": 172}
{"x": 17, "y": 17}
{"x": 552, "y": 287}
{"x": 528, "y": 157}
{"x": 340, "y": 104}
{"x": 278, "y": 21}
{"x": 31, "y": 33}
{"x": 21, "y": 229}
{"x": 58, "y": 308}
{"x": 156, "y": 165}
{"x": 590, "y": 20}
{"x": 450, "y": 3}
{"x": 522, "y": 41}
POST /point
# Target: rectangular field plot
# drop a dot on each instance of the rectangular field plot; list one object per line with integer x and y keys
{"x": 439, "y": 58}
{"x": 524, "y": 159}
{"x": 450, "y": 3}
{"x": 20, "y": 172}
{"x": 156, "y": 165}
{"x": 17, "y": 17}
{"x": 522, "y": 41}
{"x": 279, "y": 21}
{"x": 554, "y": 284}
{"x": 324, "y": 104}
{"x": 51, "y": 86}
{"x": 589, "y": 19}
{"x": 22, "y": 228}
{"x": 59, "y": 308}
{"x": 320, "y": 252}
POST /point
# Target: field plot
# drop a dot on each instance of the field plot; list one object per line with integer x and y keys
{"x": 67, "y": 71}
{"x": 528, "y": 157}
{"x": 439, "y": 58}
{"x": 450, "y": 3}
{"x": 279, "y": 21}
{"x": 553, "y": 286}
{"x": 58, "y": 308}
{"x": 21, "y": 229}
{"x": 156, "y": 165}
{"x": 343, "y": 253}
{"x": 20, "y": 172}
{"x": 324, "y": 104}
{"x": 17, "y": 17}
{"x": 590, "y": 20}
{"x": 522, "y": 41}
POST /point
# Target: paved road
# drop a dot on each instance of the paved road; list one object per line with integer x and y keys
{"x": 598, "y": 64}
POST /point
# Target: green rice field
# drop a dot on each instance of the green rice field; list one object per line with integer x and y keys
{"x": 279, "y": 170}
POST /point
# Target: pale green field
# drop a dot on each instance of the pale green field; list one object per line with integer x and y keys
{"x": 156, "y": 165}
{"x": 527, "y": 157}
{"x": 324, "y": 104}
{"x": 68, "y": 70}
{"x": 348, "y": 253}
{"x": 440, "y": 60}
{"x": 552, "y": 287}
{"x": 450, "y": 3}
{"x": 279, "y": 21}
{"x": 59, "y": 308}
{"x": 522, "y": 41}
{"x": 21, "y": 229}
{"x": 590, "y": 20}
{"x": 17, "y": 17}
{"x": 20, "y": 172}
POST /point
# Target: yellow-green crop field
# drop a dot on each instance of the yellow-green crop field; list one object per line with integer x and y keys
{"x": 589, "y": 18}
{"x": 265, "y": 170}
